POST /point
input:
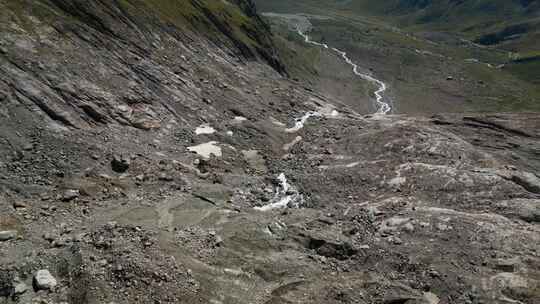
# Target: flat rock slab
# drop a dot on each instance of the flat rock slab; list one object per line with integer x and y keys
{"x": 7, "y": 235}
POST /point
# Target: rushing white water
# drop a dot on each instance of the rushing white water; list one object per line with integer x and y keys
{"x": 299, "y": 123}
{"x": 284, "y": 196}
{"x": 382, "y": 107}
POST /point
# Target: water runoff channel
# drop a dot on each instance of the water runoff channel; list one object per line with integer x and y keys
{"x": 285, "y": 194}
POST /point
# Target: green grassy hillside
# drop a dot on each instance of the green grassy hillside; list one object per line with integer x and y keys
{"x": 487, "y": 21}
{"x": 416, "y": 45}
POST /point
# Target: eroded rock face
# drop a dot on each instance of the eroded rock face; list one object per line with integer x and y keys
{"x": 82, "y": 64}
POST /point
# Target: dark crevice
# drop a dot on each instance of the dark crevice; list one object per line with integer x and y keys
{"x": 482, "y": 123}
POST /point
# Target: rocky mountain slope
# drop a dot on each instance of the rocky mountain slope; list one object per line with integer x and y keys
{"x": 68, "y": 57}
{"x": 152, "y": 152}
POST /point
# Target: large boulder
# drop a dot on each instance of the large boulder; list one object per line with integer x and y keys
{"x": 44, "y": 280}
{"x": 120, "y": 164}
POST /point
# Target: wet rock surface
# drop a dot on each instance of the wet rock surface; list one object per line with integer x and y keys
{"x": 376, "y": 209}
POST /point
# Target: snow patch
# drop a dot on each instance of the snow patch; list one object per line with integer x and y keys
{"x": 205, "y": 129}
{"x": 207, "y": 149}
{"x": 239, "y": 119}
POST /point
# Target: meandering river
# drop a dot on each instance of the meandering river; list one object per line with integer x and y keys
{"x": 382, "y": 106}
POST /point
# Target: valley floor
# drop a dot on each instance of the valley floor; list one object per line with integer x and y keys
{"x": 425, "y": 72}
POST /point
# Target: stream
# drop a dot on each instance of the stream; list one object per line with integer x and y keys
{"x": 382, "y": 106}
{"x": 283, "y": 196}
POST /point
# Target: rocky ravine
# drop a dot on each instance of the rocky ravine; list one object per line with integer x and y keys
{"x": 161, "y": 166}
